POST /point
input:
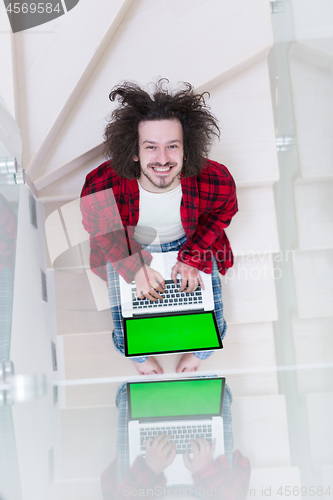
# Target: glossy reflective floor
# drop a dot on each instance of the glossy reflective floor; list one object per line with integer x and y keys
{"x": 64, "y": 420}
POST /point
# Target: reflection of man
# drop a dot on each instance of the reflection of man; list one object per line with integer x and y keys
{"x": 159, "y": 179}
{"x": 160, "y": 453}
{"x": 226, "y": 477}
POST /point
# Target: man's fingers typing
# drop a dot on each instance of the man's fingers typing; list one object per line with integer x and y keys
{"x": 174, "y": 273}
{"x": 149, "y": 284}
{"x": 157, "y": 287}
{"x": 153, "y": 295}
{"x": 160, "y": 280}
{"x": 168, "y": 448}
{"x": 201, "y": 283}
{"x": 171, "y": 455}
{"x": 162, "y": 442}
{"x": 195, "y": 447}
{"x": 183, "y": 284}
{"x": 192, "y": 285}
{"x": 149, "y": 442}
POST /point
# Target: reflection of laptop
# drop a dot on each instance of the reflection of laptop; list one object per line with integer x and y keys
{"x": 185, "y": 322}
{"x": 186, "y": 408}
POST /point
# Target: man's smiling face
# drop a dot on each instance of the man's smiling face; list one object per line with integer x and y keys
{"x": 161, "y": 154}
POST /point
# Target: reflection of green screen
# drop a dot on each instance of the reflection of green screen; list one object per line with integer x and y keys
{"x": 175, "y": 398}
{"x": 171, "y": 334}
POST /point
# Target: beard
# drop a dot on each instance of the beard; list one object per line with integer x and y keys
{"x": 163, "y": 183}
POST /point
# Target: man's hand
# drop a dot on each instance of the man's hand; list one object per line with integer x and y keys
{"x": 149, "y": 283}
{"x": 203, "y": 453}
{"x": 189, "y": 275}
{"x": 160, "y": 452}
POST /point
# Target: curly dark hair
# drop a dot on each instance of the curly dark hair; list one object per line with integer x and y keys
{"x": 136, "y": 105}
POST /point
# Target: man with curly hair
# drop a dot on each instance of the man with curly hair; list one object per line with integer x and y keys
{"x": 158, "y": 177}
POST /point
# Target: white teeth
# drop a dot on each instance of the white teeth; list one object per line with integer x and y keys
{"x": 161, "y": 169}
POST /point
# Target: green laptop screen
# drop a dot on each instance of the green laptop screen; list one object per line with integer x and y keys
{"x": 175, "y": 398}
{"x": 171, "y": 334}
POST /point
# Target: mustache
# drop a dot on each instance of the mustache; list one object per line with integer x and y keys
{"x": 157, "y": 164}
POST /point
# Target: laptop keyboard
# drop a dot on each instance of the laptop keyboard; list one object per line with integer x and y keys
{"x": 171, "y": 297}
{"x": 180, "y": 435}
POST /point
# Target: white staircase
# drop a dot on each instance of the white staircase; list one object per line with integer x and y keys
{"x": 220, "y": 47}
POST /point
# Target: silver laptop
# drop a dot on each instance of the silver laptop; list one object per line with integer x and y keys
{"x": 185, "y": 408}
{"x": 173, "y": 301}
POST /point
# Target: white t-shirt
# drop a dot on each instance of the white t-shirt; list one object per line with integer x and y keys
{"x": 160, "y": 211}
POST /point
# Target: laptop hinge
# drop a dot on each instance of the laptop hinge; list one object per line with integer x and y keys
{"x": 169, "y": 313}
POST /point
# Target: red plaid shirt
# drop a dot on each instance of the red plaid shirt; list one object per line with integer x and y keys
{"x": 110, "y": 210}
{"x": 215, "y": 477}
{"x": 212, "y": 481}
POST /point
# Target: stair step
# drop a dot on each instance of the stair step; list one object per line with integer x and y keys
{"x": 314, "y": 220}
{"x": 90, "y": 395}
{"x": 313, "y": 277}
{"x": 268, "y": 482}
{"x": 247, "y": 145}
{"x": 320, "y": 417}
{"x": 88, "y": 441}
{"x": 79, "y": 489}
{"x": 326, "y": 474}
{"x": 310, "y": 352}
{"x": 311, "y": 82}
{"x": 248, "y": 290}
{"x": 69, "y": 186}
{"x": 260, "y": 430}
{"x": 254, "y": 228}
{"x": 75, "y": 305}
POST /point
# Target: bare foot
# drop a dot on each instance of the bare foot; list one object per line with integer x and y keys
{"x": 188, "y": 363}
{"x": 149, "y": 367}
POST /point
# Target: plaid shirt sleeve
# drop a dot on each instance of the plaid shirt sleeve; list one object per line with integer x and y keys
{"x": 216, "y": 191}
{"x": 216, "y": 478}
{"x": 139, "y": 477}
{"x": 109, "y": 240}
